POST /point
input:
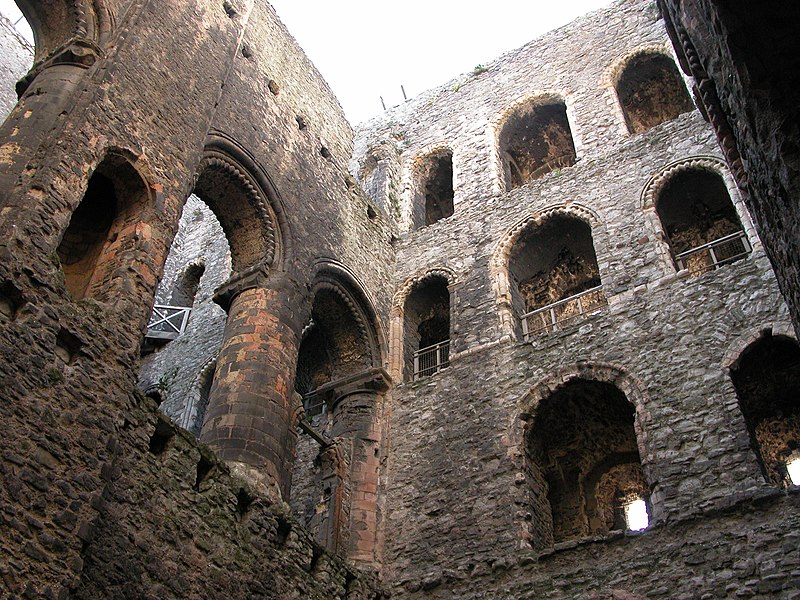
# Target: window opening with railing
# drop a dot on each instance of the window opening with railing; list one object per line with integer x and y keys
{"x": 432, "y": 359}
{"x": 167, "y": 322}
{"x": 714, "y": 254}
{"x": 701, "y": 223}
{"x": 554, "y": 317}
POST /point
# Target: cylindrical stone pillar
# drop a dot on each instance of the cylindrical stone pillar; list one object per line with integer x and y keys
{"x": 249, "y": 420}
{"x": 354, "y": 417}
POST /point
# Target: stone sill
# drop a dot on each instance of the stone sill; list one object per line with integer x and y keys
{"x": 723, "y": 506}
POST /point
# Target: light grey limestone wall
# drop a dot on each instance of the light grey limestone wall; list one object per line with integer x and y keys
{"x": 457, "y": 495}
{"x": 16, "y": 58}
{"x": 176, "y": 369}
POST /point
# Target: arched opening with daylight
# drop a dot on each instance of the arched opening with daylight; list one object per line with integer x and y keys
{"x": 767, "y": 381}
{"x": 583, "y": 463}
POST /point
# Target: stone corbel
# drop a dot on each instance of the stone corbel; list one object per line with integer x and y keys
{"x": 374, "y": 380}
{"x": 254, "y": 277}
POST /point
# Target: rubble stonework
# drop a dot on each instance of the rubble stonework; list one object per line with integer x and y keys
{"x": 317, "y": 264}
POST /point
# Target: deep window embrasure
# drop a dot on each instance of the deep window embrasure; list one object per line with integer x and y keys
{"x": 651, "y": 91}
{"x": 535, "y": 140}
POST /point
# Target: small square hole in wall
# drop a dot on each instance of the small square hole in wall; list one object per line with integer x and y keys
{"x": 10, "y": 301}
{"x": 67, "y": 346}
{"x": 636, "y": 517}
{"x": 793, "y": 468}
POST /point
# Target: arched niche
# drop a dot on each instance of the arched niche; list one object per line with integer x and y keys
{"x": 534, "y": 140}
{"x": 243, "y": 207}
{"x": 56, "y": 23}
{"x": 699, "y": 219}
{"x": 582, "y": 461}
{"x": 553, "y": 273}
{"x": 426, "y": 327}
{"x": 341, "y": 381}
{"x": 651, "y": 91}
{"x": 103, "y": 242}
{"x": 766, "y": 377}
{"x": 335, "y": 343}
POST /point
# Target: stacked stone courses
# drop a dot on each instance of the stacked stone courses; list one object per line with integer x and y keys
{"x": 667, "y": 331}
{"x": 286, "y": 444}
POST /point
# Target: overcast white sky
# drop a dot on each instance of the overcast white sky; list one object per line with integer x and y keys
{"x": 366, "y": 49}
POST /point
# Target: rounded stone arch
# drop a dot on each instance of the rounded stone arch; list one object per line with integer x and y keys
{"x": 247, "y": 205}
{"x": 612, "y": 74}
{"x": 600, "y": 372}
{"x": 499, "y": 262}
{"x": 531, "y": 102}
{"x": 733, "y": 353}
{"x": 339, "y": 279}
{"x": 538, "y": 528}
{"x": 57, "y": 23}
{"x": 763, "y": 381}
{"x": 657, "y": 183}
{"x": 659, "y": 180}
{"x": 417, "y": 171}
{"x": 397, "y": 314}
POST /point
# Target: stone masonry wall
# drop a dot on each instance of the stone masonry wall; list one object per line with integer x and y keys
{"x": 17, "y": 60}
{"x": 87, "y": 508}
{"x": 666, "y": 335}
{"x": 746, "y": 58}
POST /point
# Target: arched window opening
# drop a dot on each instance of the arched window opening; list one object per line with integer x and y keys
{"x": 584, "y": 463}
{"x": 185, "y": 289}
{"x": 242, "y": 208}
{"x": 427, "y": 328}
{"x": 205, "y": 382}
{"x": 767, "y": 382}
{"x": 435, "y": 184}
{"x": 701, "y": 224}
{"x": 554, "y": 274}
{"x": 334, "y": 484}
{"x": 99, "y": 244}
{"x": 194, "y": 265}
{"x": 651, "y": 91}
{"x": 535, "y": 140}
{"x": 333, "y": 347}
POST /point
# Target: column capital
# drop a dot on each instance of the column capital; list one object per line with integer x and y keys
{"x": 372, "y": 380}
{"x": 78, "y": 52}
{"x": 254, "y": 277}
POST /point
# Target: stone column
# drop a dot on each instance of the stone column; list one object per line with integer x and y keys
{"x": 356, "y": 417}
{"x": 250, "y": 416}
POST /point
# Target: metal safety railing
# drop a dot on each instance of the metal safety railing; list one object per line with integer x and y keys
{"x": 557, "y": 315}
{"x": 714, "y": 254}
{"x": 167, "y": 322}
{"x": 428, "y": 361}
